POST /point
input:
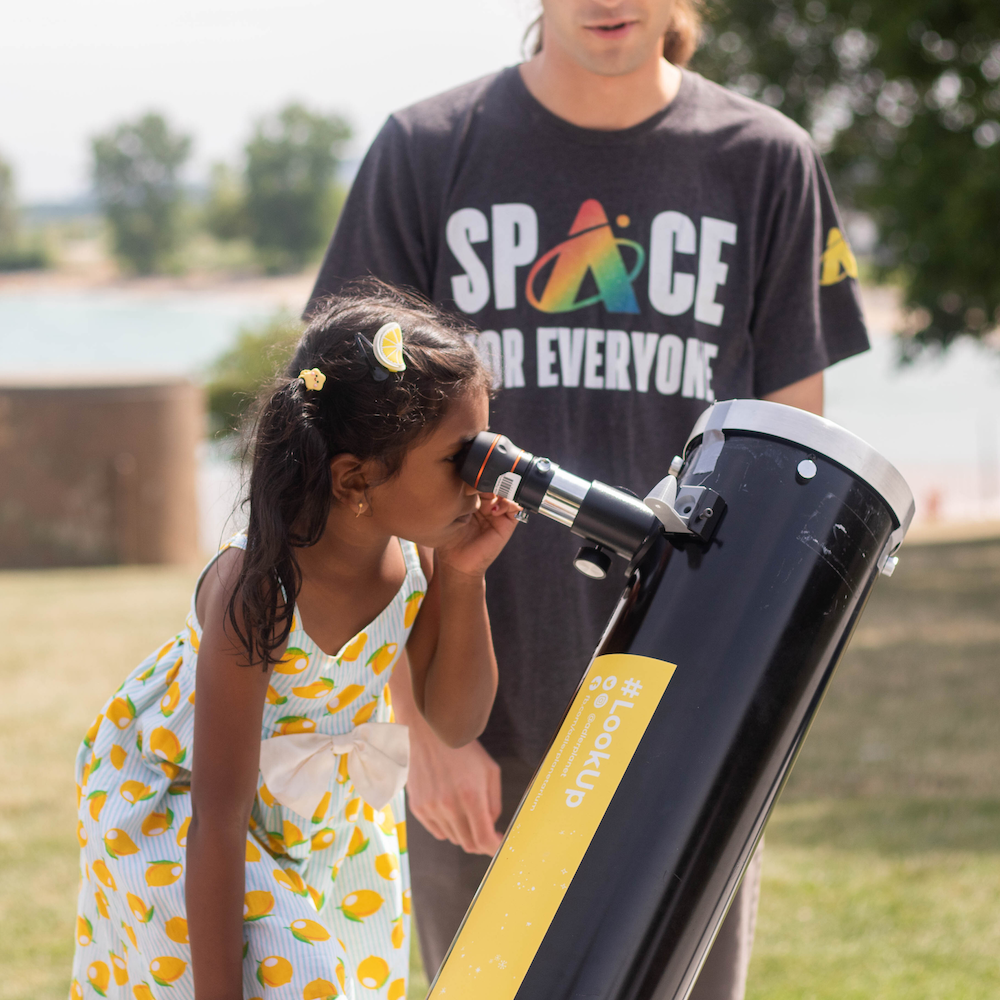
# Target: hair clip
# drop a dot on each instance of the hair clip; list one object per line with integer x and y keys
{"x": 386, "y": 354}
{"x": 313, "y": 378}
{"x": 389, "y": 347}
{"x": 365, "y": 346}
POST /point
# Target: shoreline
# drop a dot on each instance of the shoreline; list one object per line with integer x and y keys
{"x": 881, "y": 303}
{"x": 282, "y": 291}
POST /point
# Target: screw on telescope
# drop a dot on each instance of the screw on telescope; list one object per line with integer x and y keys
{"x": 806, "y": 470}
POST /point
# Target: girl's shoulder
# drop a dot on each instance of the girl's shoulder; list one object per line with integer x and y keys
{"x": 227, "y": 561}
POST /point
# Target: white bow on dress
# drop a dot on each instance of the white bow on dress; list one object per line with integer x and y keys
{"x": 297, "y": 768}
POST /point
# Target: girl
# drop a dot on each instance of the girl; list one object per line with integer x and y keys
{"x": 255, "y": 847}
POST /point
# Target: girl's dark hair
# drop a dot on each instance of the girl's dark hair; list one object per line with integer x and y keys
{"x": 297, "y": 432}
{"x": 679, "y": 42}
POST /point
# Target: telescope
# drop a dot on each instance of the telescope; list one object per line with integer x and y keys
{"x": 746, "y": 569}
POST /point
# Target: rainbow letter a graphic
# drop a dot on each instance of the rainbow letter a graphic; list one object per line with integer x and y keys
{"x": 591, "y": 247}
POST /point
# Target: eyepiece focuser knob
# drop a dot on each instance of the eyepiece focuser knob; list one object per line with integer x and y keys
{"x": 593, "y": 561}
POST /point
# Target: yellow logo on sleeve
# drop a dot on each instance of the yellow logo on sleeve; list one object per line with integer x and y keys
{"x": 837, "y": 261}
{"x": 553, "y": 828}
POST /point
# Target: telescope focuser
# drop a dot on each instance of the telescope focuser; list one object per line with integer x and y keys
{"x": 606, "y": 517}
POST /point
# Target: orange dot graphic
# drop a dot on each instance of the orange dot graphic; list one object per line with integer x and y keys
{"x": 623, "y": 221}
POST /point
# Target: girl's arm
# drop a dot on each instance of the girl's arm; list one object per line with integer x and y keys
{"x": 230, "y": 706}
{"x": 452, "y": 663}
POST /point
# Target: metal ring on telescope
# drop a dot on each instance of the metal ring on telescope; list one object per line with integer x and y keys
{"x": 817, "y": 434}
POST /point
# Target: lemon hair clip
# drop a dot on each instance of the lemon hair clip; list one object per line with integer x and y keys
{"x": 313, "y": 378}
{"x": 388, "y": 345}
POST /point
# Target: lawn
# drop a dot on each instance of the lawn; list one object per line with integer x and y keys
{"x": 882, "y": 869}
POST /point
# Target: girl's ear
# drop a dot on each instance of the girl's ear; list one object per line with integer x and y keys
{"x": 348, "y": 479}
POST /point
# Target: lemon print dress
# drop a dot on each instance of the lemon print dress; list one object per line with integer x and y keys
{"x": 326, "y": 912}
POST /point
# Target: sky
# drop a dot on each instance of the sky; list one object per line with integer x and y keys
{"x": 70, "y": 70}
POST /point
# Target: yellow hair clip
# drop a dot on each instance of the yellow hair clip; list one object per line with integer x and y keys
{"x": 389, "y": 347}
{"x": 313, "y": 378}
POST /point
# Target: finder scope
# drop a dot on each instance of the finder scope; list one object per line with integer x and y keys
{"x": 608, "y": 517}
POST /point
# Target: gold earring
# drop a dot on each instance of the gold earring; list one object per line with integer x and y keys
{"x": 361, "y": 507}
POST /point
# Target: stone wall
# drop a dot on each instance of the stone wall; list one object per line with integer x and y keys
{"x": 94, "y": 474}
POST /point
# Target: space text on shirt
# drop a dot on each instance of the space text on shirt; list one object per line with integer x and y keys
{"x": 584, "y": 357}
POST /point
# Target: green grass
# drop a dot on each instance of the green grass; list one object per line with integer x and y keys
{"x": 882, "y": 865}
{"x": 867, "y": 899}
{"x": 882, "y": 859}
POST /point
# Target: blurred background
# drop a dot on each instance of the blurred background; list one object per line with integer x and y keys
{"x": 169, "y": 177}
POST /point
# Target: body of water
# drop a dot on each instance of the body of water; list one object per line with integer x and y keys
{"x": 938, "y": 419}
{"x": 95, "y": 332}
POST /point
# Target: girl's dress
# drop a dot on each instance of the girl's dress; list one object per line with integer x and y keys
{"x": 327, "y": 900}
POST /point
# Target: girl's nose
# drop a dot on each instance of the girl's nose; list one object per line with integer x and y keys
{"x": 468, "y": 490}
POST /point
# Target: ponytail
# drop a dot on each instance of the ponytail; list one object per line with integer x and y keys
{"x": 289, "y": 497}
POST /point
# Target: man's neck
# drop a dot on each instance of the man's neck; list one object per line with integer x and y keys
{"x": 590, "y": 100}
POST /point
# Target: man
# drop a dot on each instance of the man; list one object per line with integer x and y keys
{"x": 634, "y": 242}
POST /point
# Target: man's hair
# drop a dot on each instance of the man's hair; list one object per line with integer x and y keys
{"x": 679, "y": 43}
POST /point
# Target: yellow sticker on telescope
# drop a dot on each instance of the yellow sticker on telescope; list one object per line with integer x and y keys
{"x": 552, "y": 830}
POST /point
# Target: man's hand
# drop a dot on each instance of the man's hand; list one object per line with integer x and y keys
{"x": 455, "y": 793}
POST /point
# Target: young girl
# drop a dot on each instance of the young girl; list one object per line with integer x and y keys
{"x": 254, "y": 846}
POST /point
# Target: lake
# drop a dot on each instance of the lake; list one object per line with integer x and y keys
{"x": 938, "y": 419}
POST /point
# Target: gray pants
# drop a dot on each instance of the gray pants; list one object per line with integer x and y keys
{"x": 445, "y": 879}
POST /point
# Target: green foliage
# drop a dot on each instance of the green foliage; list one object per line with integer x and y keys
{"x": 904, "y": 98}
{"x": 8, "y": 206}
{"x": 291, "y": 200}
{"x": 261, "y": 351}
{"x": 14, "y": 255}
{"x": 225, "y": 213}
{"x": 135, "y": 173}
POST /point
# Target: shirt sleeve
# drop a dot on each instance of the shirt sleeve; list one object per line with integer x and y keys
{"x": 380, "y": 231}
{"x": 807, "y": 308}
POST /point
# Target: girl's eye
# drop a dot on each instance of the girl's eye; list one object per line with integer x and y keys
{"x": 459, "y": 457}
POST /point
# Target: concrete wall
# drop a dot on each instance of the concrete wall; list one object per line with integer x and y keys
{"x": 94, "y": 474}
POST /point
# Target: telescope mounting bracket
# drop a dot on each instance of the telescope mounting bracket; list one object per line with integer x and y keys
{"x": 685, "y": 510}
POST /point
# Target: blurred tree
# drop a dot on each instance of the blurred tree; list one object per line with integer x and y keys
{"x": 14, "y": 255}
{"x": 904, "y": 100}
{"x": 226, "y": 211}
{"x": 291, "y": 201}
{"x": 8, "y": 206}
{"x": 135, "y": 173}
{"x": 260, "y": 352}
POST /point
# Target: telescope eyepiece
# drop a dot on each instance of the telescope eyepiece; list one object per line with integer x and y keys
{"x": 490, "y": 456}
{"x": 605, "y": 516}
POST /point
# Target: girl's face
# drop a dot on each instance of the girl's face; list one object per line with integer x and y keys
{"x": 427, "y": 502}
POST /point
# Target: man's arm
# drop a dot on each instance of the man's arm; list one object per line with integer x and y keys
{"x": 804, "y": 318}
{"x": 806, "y": 394}
{"x": 454, "y": 793}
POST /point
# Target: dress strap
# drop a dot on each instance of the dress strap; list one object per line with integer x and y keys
{"x": 411, "y": 557}
{"x": 237, "y": 541}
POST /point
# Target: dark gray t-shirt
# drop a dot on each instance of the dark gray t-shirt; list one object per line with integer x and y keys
{"x": 623, "y": 280}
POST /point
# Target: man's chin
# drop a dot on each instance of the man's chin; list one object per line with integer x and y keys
{"x": 612, "y": 60}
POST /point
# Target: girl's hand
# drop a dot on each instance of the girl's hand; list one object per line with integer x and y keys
{"x": 486, "y": 534}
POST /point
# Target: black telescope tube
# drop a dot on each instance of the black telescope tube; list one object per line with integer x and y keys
{"x": 603, "y": 515}
{"x": 617, "y": 869}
